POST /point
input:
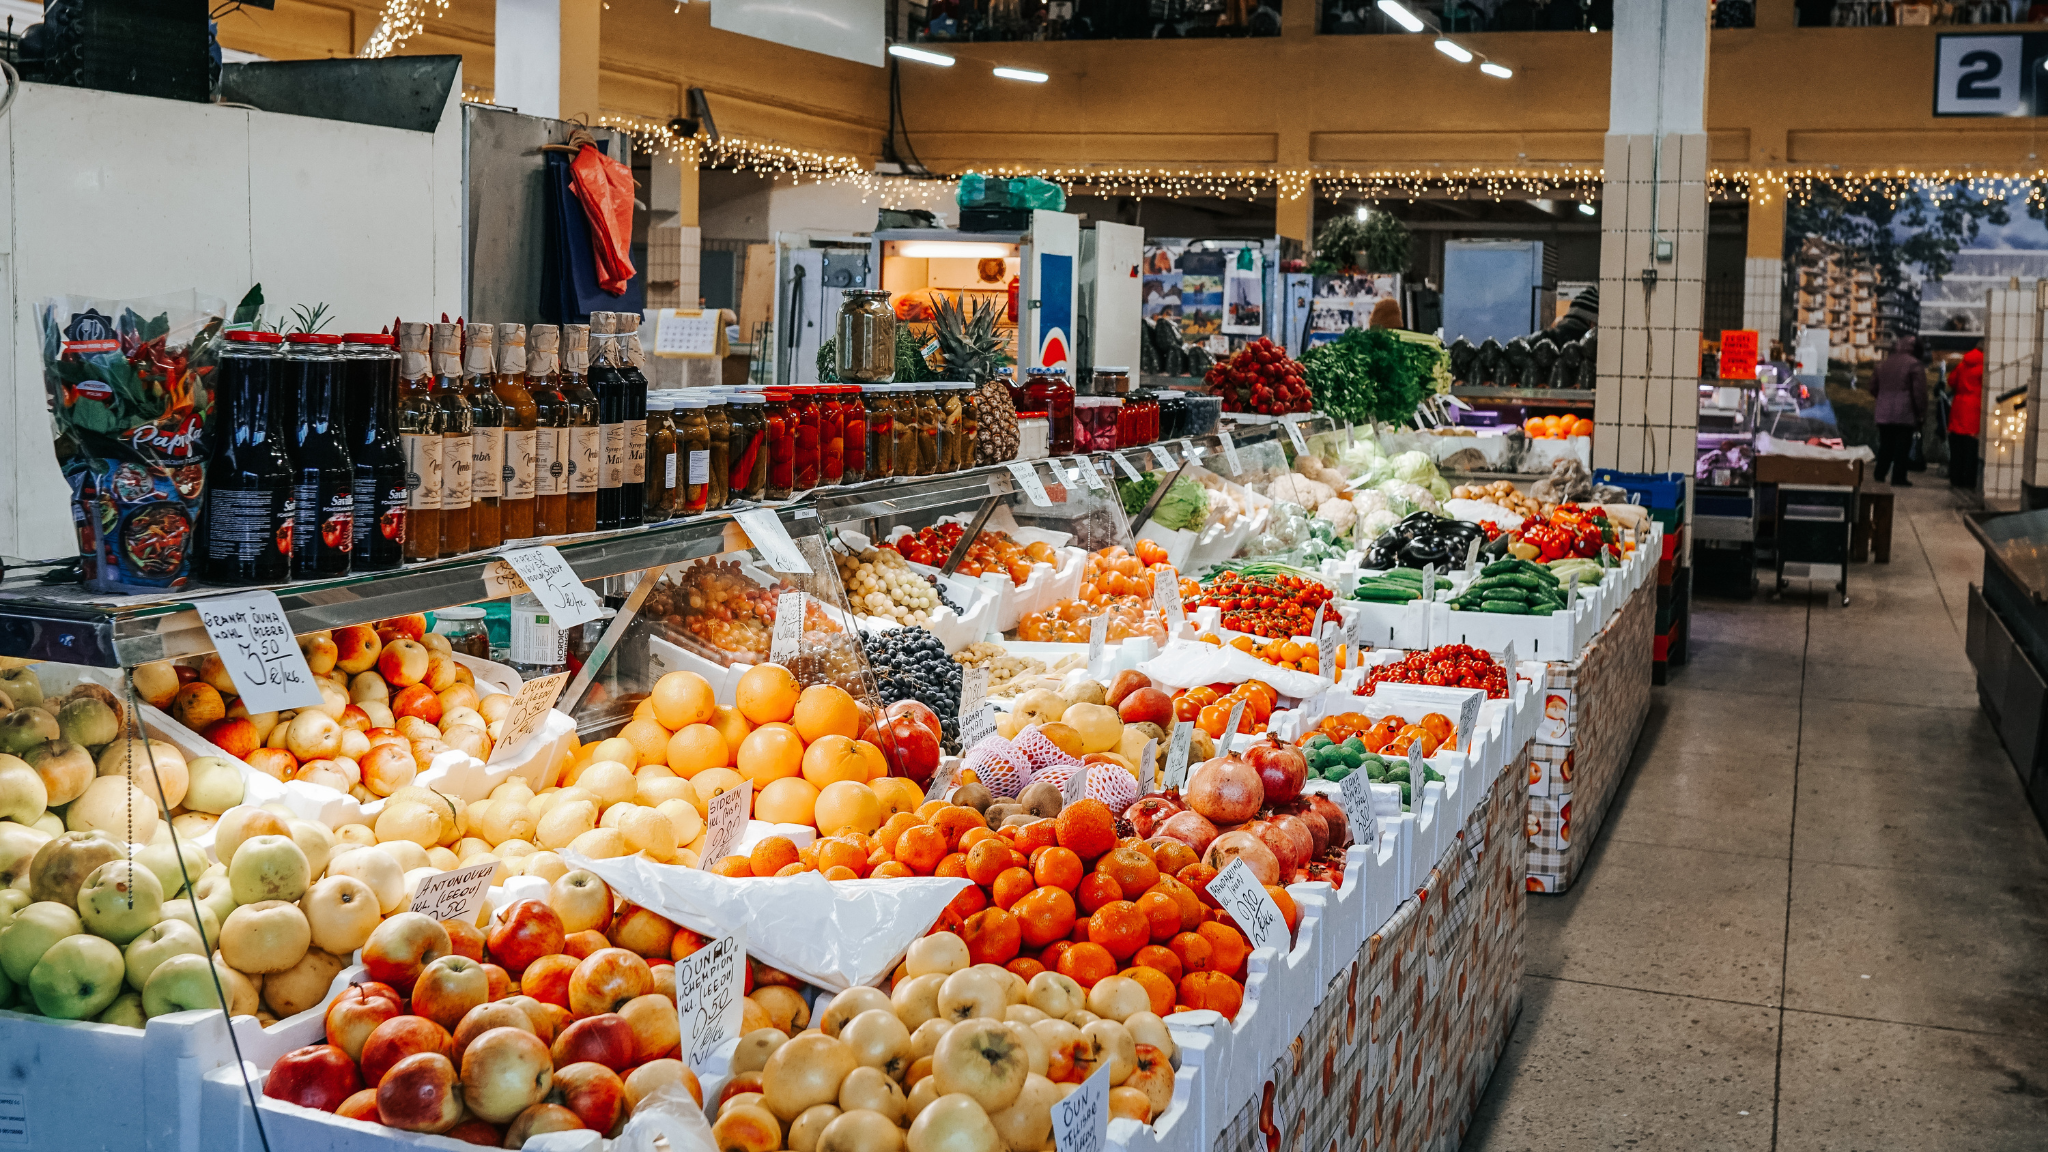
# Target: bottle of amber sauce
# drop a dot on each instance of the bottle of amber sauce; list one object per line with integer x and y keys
{"x": 522, "y": 433}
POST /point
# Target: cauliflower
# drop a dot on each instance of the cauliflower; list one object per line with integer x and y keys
{"x": 1340, "y": 513}
{"x": 1313, "y": 468}
{"x": 1369, "y": 501}
{"x": 1293, "y": 489}
{"x": 1376, "y": 524}
{"x": 1410, "y": 494}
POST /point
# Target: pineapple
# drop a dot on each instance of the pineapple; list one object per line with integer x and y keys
{"x": 974, "y": 349}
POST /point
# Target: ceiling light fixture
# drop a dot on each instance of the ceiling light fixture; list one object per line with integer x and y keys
{"x": 953, "y": 250}
{"x": 1492, "y": 69}
{"x": 1363, "y": 212}
{"x": 1586, "y": 209}
{"x": 1401, "y": 16}
{"x": 1022, "y": 74}
{"x": 905, "y": 52}
{"x": 1451, "y": 49}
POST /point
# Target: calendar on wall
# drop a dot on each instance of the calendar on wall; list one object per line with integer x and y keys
{"x": 688, "y": 333}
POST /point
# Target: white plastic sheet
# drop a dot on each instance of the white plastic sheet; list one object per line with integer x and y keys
{"x": 836, "y": 936}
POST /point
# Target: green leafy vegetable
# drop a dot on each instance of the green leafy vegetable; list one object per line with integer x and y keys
{"x": 1185, "y": 505}
{"x": 1371, "y": 374}
{"x": 1135, "y": 492}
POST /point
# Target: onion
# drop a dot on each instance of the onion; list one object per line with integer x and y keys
{"x": 1226, "y": 790}
{"x": 1191, "y": 829}
{"x": 1256, "y": 855}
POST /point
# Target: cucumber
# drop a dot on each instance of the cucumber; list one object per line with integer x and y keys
{"x": 1509, "y": 607}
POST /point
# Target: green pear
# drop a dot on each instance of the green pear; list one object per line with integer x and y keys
{"x": 126, "y": 1010}
{"x": 31, "y": 933}
{"x": 77, "y": 978}
{"x": 120, "y": 901}
{"x": 167, "y": 939}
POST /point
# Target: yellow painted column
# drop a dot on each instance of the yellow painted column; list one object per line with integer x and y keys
{"x": 580, "y": 23}
{"x": 1763, "y": 265}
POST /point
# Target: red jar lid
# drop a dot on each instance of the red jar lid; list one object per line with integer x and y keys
{"x": 312, "y": 338}
{"x": 368, "y": 338}
{"x": 253, "y": 337}
{"x": 777, "y": 395}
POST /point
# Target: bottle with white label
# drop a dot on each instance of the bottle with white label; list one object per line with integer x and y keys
{"x": 553, "y": 413}
{"x": 692, "y": 460}
{"x": 420, "y": 433}
{"x": 323, "y": 535}
{"x": 487, "y": 441}
{"x": 516, "y": 503}
{"x": 661, "y": 499}
{"x": 586, "y": 433}
{"x": 539, "y": 647}
{"x": 458, "y": 430}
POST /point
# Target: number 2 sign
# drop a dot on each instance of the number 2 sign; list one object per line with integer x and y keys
{"x": 1988, "y": 75}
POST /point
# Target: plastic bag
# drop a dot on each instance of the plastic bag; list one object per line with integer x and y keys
{"x": 130, "y": 400}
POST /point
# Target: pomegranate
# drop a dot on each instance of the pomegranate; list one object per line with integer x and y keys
{"x": 1149, "y": 813}
{"x": 1191, "y": 829}
{"x": 1281, "y": 767}
{"x": 1298, "y": 831}
{"x": 1243, "y": 843}
{"x": 1226, "y": 789}
{"x": 1281, "y": 842}
{"x": 1333, "y": 816}
{"x": 1318, "y": 828}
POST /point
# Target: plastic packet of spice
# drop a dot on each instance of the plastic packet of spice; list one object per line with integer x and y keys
{"x": 131, "y": 395}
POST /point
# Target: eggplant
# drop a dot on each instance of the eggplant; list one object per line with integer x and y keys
{"x": 1385, "y": 553}
{"x": 1426, "y": 550}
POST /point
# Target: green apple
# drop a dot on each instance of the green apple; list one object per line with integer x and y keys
{"x": 126, "y": 1010}
{"x": 181, "y": 983}
{"x": 316, "y": 841}
{"x": 18, "y": 846}
{"x": 269, "y": 868}
{"x": 167, "y": 939}
{"x": 32, "y": 932}
{"x": 205, "y": 923}
{"x": 21, "y": 686}
{"x": 62, "y": 865}
{"x": 216, "y": 785}
{"x": 24, "y": 728}
{"x": 216, "y": 893}
{"x": 50, "y": 823}
{"x": 65, "y": 769}
{"x": 77, "y": 978}
{"x": 6, "y": 990}
{"x": 120, "y": 901}
{"x": 22, "y": 795}
{"x": 88, "y": 722}
{"x": 162, "y": 856}
{"x": 12, "y": 900}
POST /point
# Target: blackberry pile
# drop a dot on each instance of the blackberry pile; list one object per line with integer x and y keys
{"x": 911, "y": 664}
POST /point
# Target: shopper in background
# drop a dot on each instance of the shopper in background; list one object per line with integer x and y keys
{"x": 1900, "y": 386}
{"x": 1965, "y": 418}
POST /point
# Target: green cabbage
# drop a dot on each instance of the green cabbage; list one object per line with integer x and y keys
{"x": 1414, "y": 467}
{"x": 1185, "y": 506}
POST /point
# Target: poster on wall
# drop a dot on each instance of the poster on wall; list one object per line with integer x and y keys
{"x": 1244, "y": 295}
{"x": 1343, "y": 302}
{"x": 1201, "y": 294}
{"x": 1056, "y": 309}
{"x": 1161, "y": 285}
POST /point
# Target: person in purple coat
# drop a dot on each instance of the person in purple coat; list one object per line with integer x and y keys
{"x": 1900, "y": 386}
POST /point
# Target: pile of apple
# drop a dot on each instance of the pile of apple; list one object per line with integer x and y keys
{"x": 557, "y": 1014}
{"x": 956, "y": 1057}
{"x": 393, "y": 697}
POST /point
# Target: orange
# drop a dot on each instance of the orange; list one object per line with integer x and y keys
{"x": 770, "y": 754}
{"x": 1080, "y": 933}
{"x": 890, "y": 869}
{"x": 1191, "y": 908}
{"x": 681, "y": 699}
{"x": 1058, "y": 867}
{"x": 766, "y": 693}
{"x": 898, "y": 796}
{"x": 649, "y": 741}
{"x": 732, "y": 726}
{"x": 848, "y": 806}
{"x": 986, "y": 860}
{"x": 696, "y": 747}
{"x": 1289, "y": 910}
{"x": 1212, "y": 990}
{"x": 992, "y": 937}
{"x": 931, "y": 808}
{"x": 973, "y": 836}
{"x": 1051, "y": 953}
{"x": 837, "y": 852}
{"x": 1025, "y": 967}
{"x": 1582, "y": 427}
{"x": 832, "y": 758}
{"x": 955, "y": 820}
{"x": 1046, "y": 914}
{"x": 1120, "y": 927}
{"x": 796, "y": 869}
{"x": 644, "y": 710}
{"x": 1227, "y": 948}
{"x": 841, "y": 872}
{"x": 1534, "y": 427}
{"x": 893, "y": 828}
{"x": 713, "y": 782}
{"x": 1156, "y": 986}
{"x": 1087, "y": 827}
{"x": 1087, "y": 964}
{"x": 826, "y": 710}
{"x": 790, "y": 800}
{"x": 921, "y": 847}
{"x": 1037, "y": 834}
{"x": 772, "y": 854}
{"x": 1172, "y": 856}
{"x": 733, "y": 866}
{"x": 1095, "y": 890}
{"x": 1131, "y": 867}
{"x": 1011, "y": 886}
{"x": 1161, "y": 913}
{"x": 955, "y": 864}
{"x": 878, "y": 768}
{"x": 1160, "y": 959}
{"x": 1196, "y": 877}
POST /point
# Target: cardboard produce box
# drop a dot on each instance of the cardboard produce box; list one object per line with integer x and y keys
{"x": 1807, "y": 470}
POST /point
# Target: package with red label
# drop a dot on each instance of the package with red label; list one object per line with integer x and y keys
{"x": 130, "y": 392}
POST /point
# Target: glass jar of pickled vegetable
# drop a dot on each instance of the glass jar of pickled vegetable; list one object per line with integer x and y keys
{"x": 831, "y": 434}
{"x": 1095, "y": 423}
{"x": 955, "y": 432}
{"x": 719, "y": 417}
{"x": 909, "y": 437}
{"x": 693, "y": 442}
{"x": 853, "y": 435}
{"x": 1049, "y": 391}
{"x": 747, "y": 478}
{"x": 865, "y": 337}
{"x": 781, "y": 444}
{"x": 881, "y": 430}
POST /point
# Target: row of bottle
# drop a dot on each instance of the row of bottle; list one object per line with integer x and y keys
{"x": 355, "y": 453}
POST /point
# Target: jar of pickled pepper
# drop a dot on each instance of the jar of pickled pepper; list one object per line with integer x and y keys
{"x": 831, "y": 435}
{"x": 881, "y": 430}
{"x": 853, "y": 416}
{"x": 748, "y": 478}
{"x": 781, "y": 444}
{"x": 803, "y": 418}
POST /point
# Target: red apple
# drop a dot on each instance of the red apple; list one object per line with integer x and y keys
{"x": 356, "y": 648}
{"x": 351, "y": 1018}
{"x": 401, "y": 948}
{"x": 465, "y": 939}
{"x": 547, "y": 979}
{"x": 361, "y": 1106}
{"x": 606, "y": 979}
{"x": 398, "y": 1038}
{"x": 656, "y": 1031}
{"x": 356, "y": 718}
{"x": 417, "y": 700}
{"x": 538, "y": 1119}
{"x": 276, "y": 763}
{"x": 448, "y": 988}
{"x": 474, "y": 1131}
{"x": 1126, "y": 682}
{"x": 594, "y": 1093}
{"x": 505, "y": 1072}
{"x": 1147, "y": 705}
{"x": 580, "y": 945}
{"x": 501, "y": 981}
{"x": 412, "y": 627}
{"x": 523, "y": 933}
{"x": 606, "y": 1039}
{"x": 640, "y": 931}
{"x": 420, "y": 1094}
{"x": 483, "y": 1018}
{"x": 235, "y": 736}
{"x": 318, "y": 1076}
{"x": 403, "y": 663}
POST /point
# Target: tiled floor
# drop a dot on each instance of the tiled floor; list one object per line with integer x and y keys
{"x": 1817, "y": 917}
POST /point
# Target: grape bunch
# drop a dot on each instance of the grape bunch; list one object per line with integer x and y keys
{"x": 911, "y": 664}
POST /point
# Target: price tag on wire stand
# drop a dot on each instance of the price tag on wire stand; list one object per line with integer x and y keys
{"x": 1098, "y": 638}
{"x": 1130, "y": 473}
{"x": 1418, "y": 775}
{"x": 555, "y": 584}
{"x": 1148, "y": 764}
{"x": 1348, "y": 440}
{"x": 1293, "y": 426}
{"x": 1166, "y": 597}
{"x": 978, "y": 724}
{"x": 1229, "y": 453}
{"x": 253, "y": 637}
{"x": 973, "y": 688}
{"x": 453, "y": 895}
{"x": 1472, "y": 556}
{"x": 1088, "y": 474}
{"x": 1230, "y": 732}
{"x": 1355, "y": 795}
{"x": 1080, "y": 1123}
{"x": 530, "y": 710}
{"x": 710, "y": 986}
{"x": 765, "y": 531}
{"x": 1189, "y": 452}
{"x": 1177, "y": 753}
{"x": 1165, "y": 458}
{"x": 1077, "y": 785}
{"x": 1027, "y": 478}
{"x": 943, "y": 775}
{"x": 725, "y": 821}
{"x": 1238, "y": 890}
{"x": 786, "y": 641}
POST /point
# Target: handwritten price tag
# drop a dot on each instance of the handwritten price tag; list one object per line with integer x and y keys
{"x": 1356, "y": 799}
{"x": 1177, "y": 753}
{"x": 1027, "y": 479}
{"x": 1189, "y": 452}
{"x": 456, "y": 895}
{"x": 1089, "y": 475}
{"x": 1130, "y": 473}
{"x": 1166, "y": 597}
{"x": 1238, "y": 890}
{"x": 1293, "y": 427}
{"x": 943, "y": 776}
{"x": 978, "y": 724}
{"x": 1230, "y": 733}
{"x": 254, "y": 639}
{"x": 787, "y": 639}
{"x": 1148, "y": 766}
{"x": 529, "y": 711}
{"x": 765, "y": 531}
{"x": 1229, "y": 453}
{"x": 1080, "y": 1123}
{"x": 1165, "y": 458}
{"x": 709, "y": 985}
{"x": 550, "y": 578}
{"x": 725, "y": 821}
{"x": 1077, "y": 785}
{"x": 973, "y": 690}
{"x": 1098, "y": 637}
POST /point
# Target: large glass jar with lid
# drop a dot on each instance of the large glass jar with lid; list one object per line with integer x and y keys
{"x": 781, "y": 445}
{"x": 805, "y": 420}
{"x": 865, "y": 337}
{"x": 881, "y": 430}
{"x": 1047, "y": 390}
{"x": 748, "y": 478}
{"x": 465, "y": 629}
{"x": 693, "y": 444}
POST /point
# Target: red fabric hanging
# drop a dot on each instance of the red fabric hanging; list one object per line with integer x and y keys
{"x": 605, "y": 188}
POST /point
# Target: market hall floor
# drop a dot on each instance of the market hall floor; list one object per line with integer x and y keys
{"x": 1817, "y": 915}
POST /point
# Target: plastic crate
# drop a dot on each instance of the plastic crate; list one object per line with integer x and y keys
{"x": 1659, "y": 490}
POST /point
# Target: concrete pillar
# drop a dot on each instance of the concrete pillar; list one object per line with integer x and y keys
{"x": 1653, "y": 239}
{"x": 1763, "y": 265}
{"x": 546, "y": 57}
